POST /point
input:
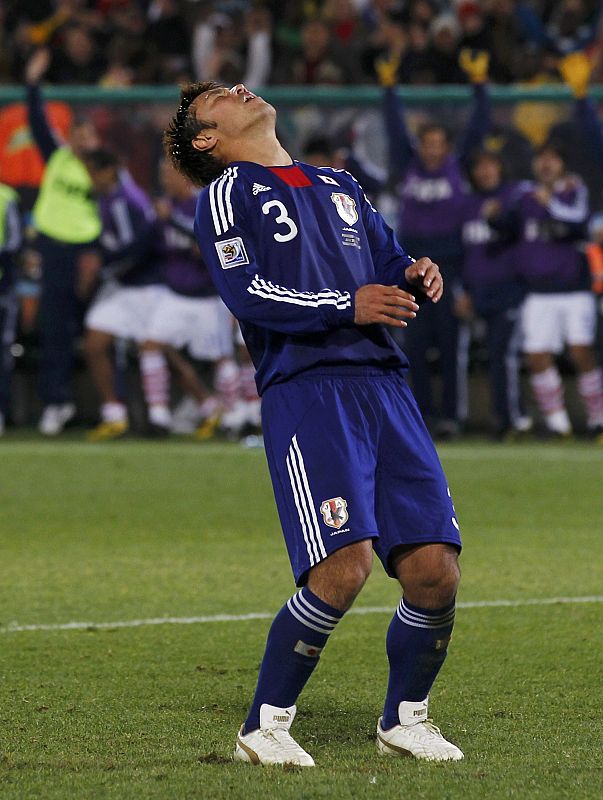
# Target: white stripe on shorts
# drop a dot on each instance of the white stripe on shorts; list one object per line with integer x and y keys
{"x": 300, "y": 510}
{"x": 309, "y": 498}
{"x": 305, "y": 504}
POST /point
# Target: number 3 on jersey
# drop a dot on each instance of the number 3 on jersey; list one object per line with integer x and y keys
{"x": 282, "y": 218}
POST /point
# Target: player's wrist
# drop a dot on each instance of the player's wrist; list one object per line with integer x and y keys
{"x": 334, "y": 317}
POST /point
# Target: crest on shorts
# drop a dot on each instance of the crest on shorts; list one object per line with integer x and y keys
{"x": 334, "y": 512}
{"x": 232, "y": 253}
{"x": 346, "y": 207}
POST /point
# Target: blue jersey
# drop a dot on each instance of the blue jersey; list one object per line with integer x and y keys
{"x": 287, "y": 248}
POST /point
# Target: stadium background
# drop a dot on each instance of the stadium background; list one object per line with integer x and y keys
{"x": 128, "y": 569}
{"x": 317, "y": 64}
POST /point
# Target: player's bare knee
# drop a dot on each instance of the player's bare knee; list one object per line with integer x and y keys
{"x": 339, "y": 578}
{"x": 429, "y": 575}
{"x": 355, "y": 575}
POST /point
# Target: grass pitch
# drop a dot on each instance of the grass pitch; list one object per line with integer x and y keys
{"x": 137, "y": 531}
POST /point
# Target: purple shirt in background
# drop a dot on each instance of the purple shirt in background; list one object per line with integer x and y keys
{"x": 548, "y": 258}
{"x": 127, "y": 236}
{"x": 182, "y": 267}
{"x": 431, "y": 200}
{"x": 489, "y": 255}
{"x": 486, "y": 259}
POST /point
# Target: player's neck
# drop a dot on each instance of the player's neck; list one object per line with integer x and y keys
{"x": 265, "y": 151}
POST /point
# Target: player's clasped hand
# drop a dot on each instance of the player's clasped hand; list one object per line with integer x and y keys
{"x": 388, "y": 305}
{"x": 426, "y": 276}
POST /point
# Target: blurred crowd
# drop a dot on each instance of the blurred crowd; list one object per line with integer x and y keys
{"x": 124, "y": 42}
{"x": 100, "y": 268}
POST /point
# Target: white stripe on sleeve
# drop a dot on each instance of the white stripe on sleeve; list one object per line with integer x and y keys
{"x": 280, "y": 294}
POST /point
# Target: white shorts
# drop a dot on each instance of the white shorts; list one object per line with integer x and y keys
{"x": 202, "y": 324}
{"x": 124, "y": 311}
{"x": 550, "y": 321}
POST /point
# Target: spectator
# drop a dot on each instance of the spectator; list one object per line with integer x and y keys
{"x": 321, "y": 60}
{"x": 416, "y": 65}
{"x": 494, "y": 291}
{"x": 421, "y": 12}
{"x": 388, "y": 42}
{"x": 444, "y": 50}
{"x": 474, "y": 33}
{"x": 346, "y": 27}
{"x": 571, "y": 27}
{"x": 233, "y": 51}
{"x": 132, "y": 283}
{"x": 67, "y": 223}
{"x": 507, "y": 40}
{"x": 431, "y": 191}
{"x": 129, "y": 59}
{"x": 10, "y": 243}
{"x": 153, "y": 41}
{"x": 79, "y": 59}
{"x": 169, "y": 40}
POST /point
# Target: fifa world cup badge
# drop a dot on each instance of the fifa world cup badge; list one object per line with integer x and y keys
{"x": 232, "y": 253}
{"x": 334, "y": 512}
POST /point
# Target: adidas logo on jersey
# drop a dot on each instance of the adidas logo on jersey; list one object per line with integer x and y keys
{"x": 257, "y": 188}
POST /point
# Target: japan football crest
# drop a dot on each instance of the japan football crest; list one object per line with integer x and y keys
{"x": 334, "y": 512}
{"x": 346, "y": 207}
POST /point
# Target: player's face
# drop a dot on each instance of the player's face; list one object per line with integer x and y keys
{"x": 433, "y": 149}
{"x": 103, "y": 180}
{"x": 83, "y": 137}
{"x": 233, "y": 111}
{"x": 548, "y": 167}
{"x": 487, "y": 174}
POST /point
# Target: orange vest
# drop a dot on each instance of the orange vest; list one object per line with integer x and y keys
{"x": 20, "y": 162}
{"x": 594, "y": 254}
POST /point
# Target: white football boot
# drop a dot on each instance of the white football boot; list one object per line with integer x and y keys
{"x": 272, "y": 743}
{"x": 55, "y": 417}
{"x": 186, "y": 416}
{"x": 416, "y": 736}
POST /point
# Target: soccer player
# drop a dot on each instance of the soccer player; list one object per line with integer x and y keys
{"x": 11, "y": 238}
{"x": 550, "y": 214}
{"x": 132, "y": 282}
{"x": 495, "y": 292}
{"x": 317, "y": 280}
{"x": 190, "y": 314}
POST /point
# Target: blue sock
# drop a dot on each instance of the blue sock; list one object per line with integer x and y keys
{"x": 297, "y": 636}
{"x": 417, "y": 640}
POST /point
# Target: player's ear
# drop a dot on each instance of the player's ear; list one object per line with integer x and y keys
{"x": 205, "y": 141}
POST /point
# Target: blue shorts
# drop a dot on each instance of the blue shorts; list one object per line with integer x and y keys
{"x": 351, "y": 459}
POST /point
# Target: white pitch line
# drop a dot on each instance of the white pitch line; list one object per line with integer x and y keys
{"x": 139, "y": 623}
{"x": 542, "y": 451}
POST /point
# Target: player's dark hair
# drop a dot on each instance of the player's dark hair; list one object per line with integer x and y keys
{"x": 553, "y": 146}
{"x": 100, "y": 159}
{"x": 484, "y": 154}
{"x": 434, "y": 127}
{"x": 199, "y": 166}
